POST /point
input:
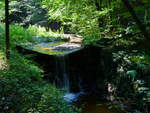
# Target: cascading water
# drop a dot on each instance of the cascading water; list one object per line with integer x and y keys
{"x": 72, "y": 78}
{"x": 63, "y": 82}
{"x": 62, "y": 76}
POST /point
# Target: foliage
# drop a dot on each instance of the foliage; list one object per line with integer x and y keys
{"x": 2, "y": 35}
{"x": 26, "y": 12}
{"x": 57, "y": 104}
{"x": 74, "y": 15}
{"x": 2, "y": 10}
{"x": 39, "y": 31}
{"x": 110, "y": 21}
{"x": 105, "y": 22}
{"x": 132, "y": 78}
{"x": 19, "y": 34}
{"x": 22, "y": 88}
{"x": 104, "y": 18}
{"x": 19, "y": 86}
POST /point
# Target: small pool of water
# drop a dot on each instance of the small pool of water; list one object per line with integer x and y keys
{"x": 53, "y": 48}
{"x": 90, "y": 104}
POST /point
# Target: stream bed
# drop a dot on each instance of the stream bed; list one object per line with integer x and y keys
{"x": 90, "y": 104}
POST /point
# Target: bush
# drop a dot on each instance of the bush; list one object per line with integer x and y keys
{"x": 2, "y": 35}
{"x": 22, "y": 89}
{"x": 2, "y": 10}
{"x": 132, "y": 79}
{"x": 19, "y": 35}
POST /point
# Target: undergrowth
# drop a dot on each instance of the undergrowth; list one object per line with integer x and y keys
{"x": 22, "y": 88}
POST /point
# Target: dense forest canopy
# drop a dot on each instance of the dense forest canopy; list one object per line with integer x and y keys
{"x": 89, "y": 18}
{"x": 92, "y": 18}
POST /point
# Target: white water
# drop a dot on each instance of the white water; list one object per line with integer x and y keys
{"x": 72, "y": 97}
{"x": 63, "y": 81}
{"x": 62, "y": 73}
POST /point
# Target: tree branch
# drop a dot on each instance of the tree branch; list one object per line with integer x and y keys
{"x": 138, "y": 22}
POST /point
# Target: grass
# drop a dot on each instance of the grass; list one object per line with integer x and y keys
{"x": 22, "y": 82}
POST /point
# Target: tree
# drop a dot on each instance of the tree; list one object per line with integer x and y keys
{"x": 2, "y": 10}
{"x": 138, "y": 22}
{"x": 7, "y": 28}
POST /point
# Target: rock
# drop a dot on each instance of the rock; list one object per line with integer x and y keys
{"x": 66, "y": 47}
{"x": 76, "y": 40}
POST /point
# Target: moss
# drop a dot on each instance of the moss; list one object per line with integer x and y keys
{"x": 48, "y": 51}
{"x": 44, "y": 47}
{"x": 56, "y": 43}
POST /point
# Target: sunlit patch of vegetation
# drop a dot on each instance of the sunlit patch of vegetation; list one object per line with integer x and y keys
{"x": 2, "y": 10}
{"x": 31, "y": 34}
{"x": 141, "y": 59}
{"x": 3, "y": 63}
{"x": 56, "y": 43}
{"x": 22, "y": 88}
{"x": 39, "y": 31}
{"x": 46, "y": 50}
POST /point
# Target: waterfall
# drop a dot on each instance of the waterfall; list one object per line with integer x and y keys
{"x": 63, "y": 80}
{"x": 62, "y": 75}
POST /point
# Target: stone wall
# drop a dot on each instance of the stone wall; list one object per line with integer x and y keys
{"x": 83, "y": 67}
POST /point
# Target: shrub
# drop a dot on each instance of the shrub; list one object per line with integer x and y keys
{"x": 2, "y": 35}
{"x": 132, "y": 79}
{"x": 22, "y": 89}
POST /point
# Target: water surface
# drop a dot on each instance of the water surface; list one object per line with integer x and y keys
{"x": 90, "y": 104}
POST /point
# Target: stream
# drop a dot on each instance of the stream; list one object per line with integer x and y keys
{"x": 63, "y": 80}
{"x": 88, "y": 103}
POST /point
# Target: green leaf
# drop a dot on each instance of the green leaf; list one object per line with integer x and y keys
{"x": 132, "y": 73}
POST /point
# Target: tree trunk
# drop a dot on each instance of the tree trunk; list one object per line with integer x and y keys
{"x": 138, "y": 22}
{"x": 7, "y": 28}
{"x": 98, "y": 8}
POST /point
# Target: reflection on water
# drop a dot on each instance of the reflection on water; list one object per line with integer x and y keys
{"x": 90, "y": 104}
